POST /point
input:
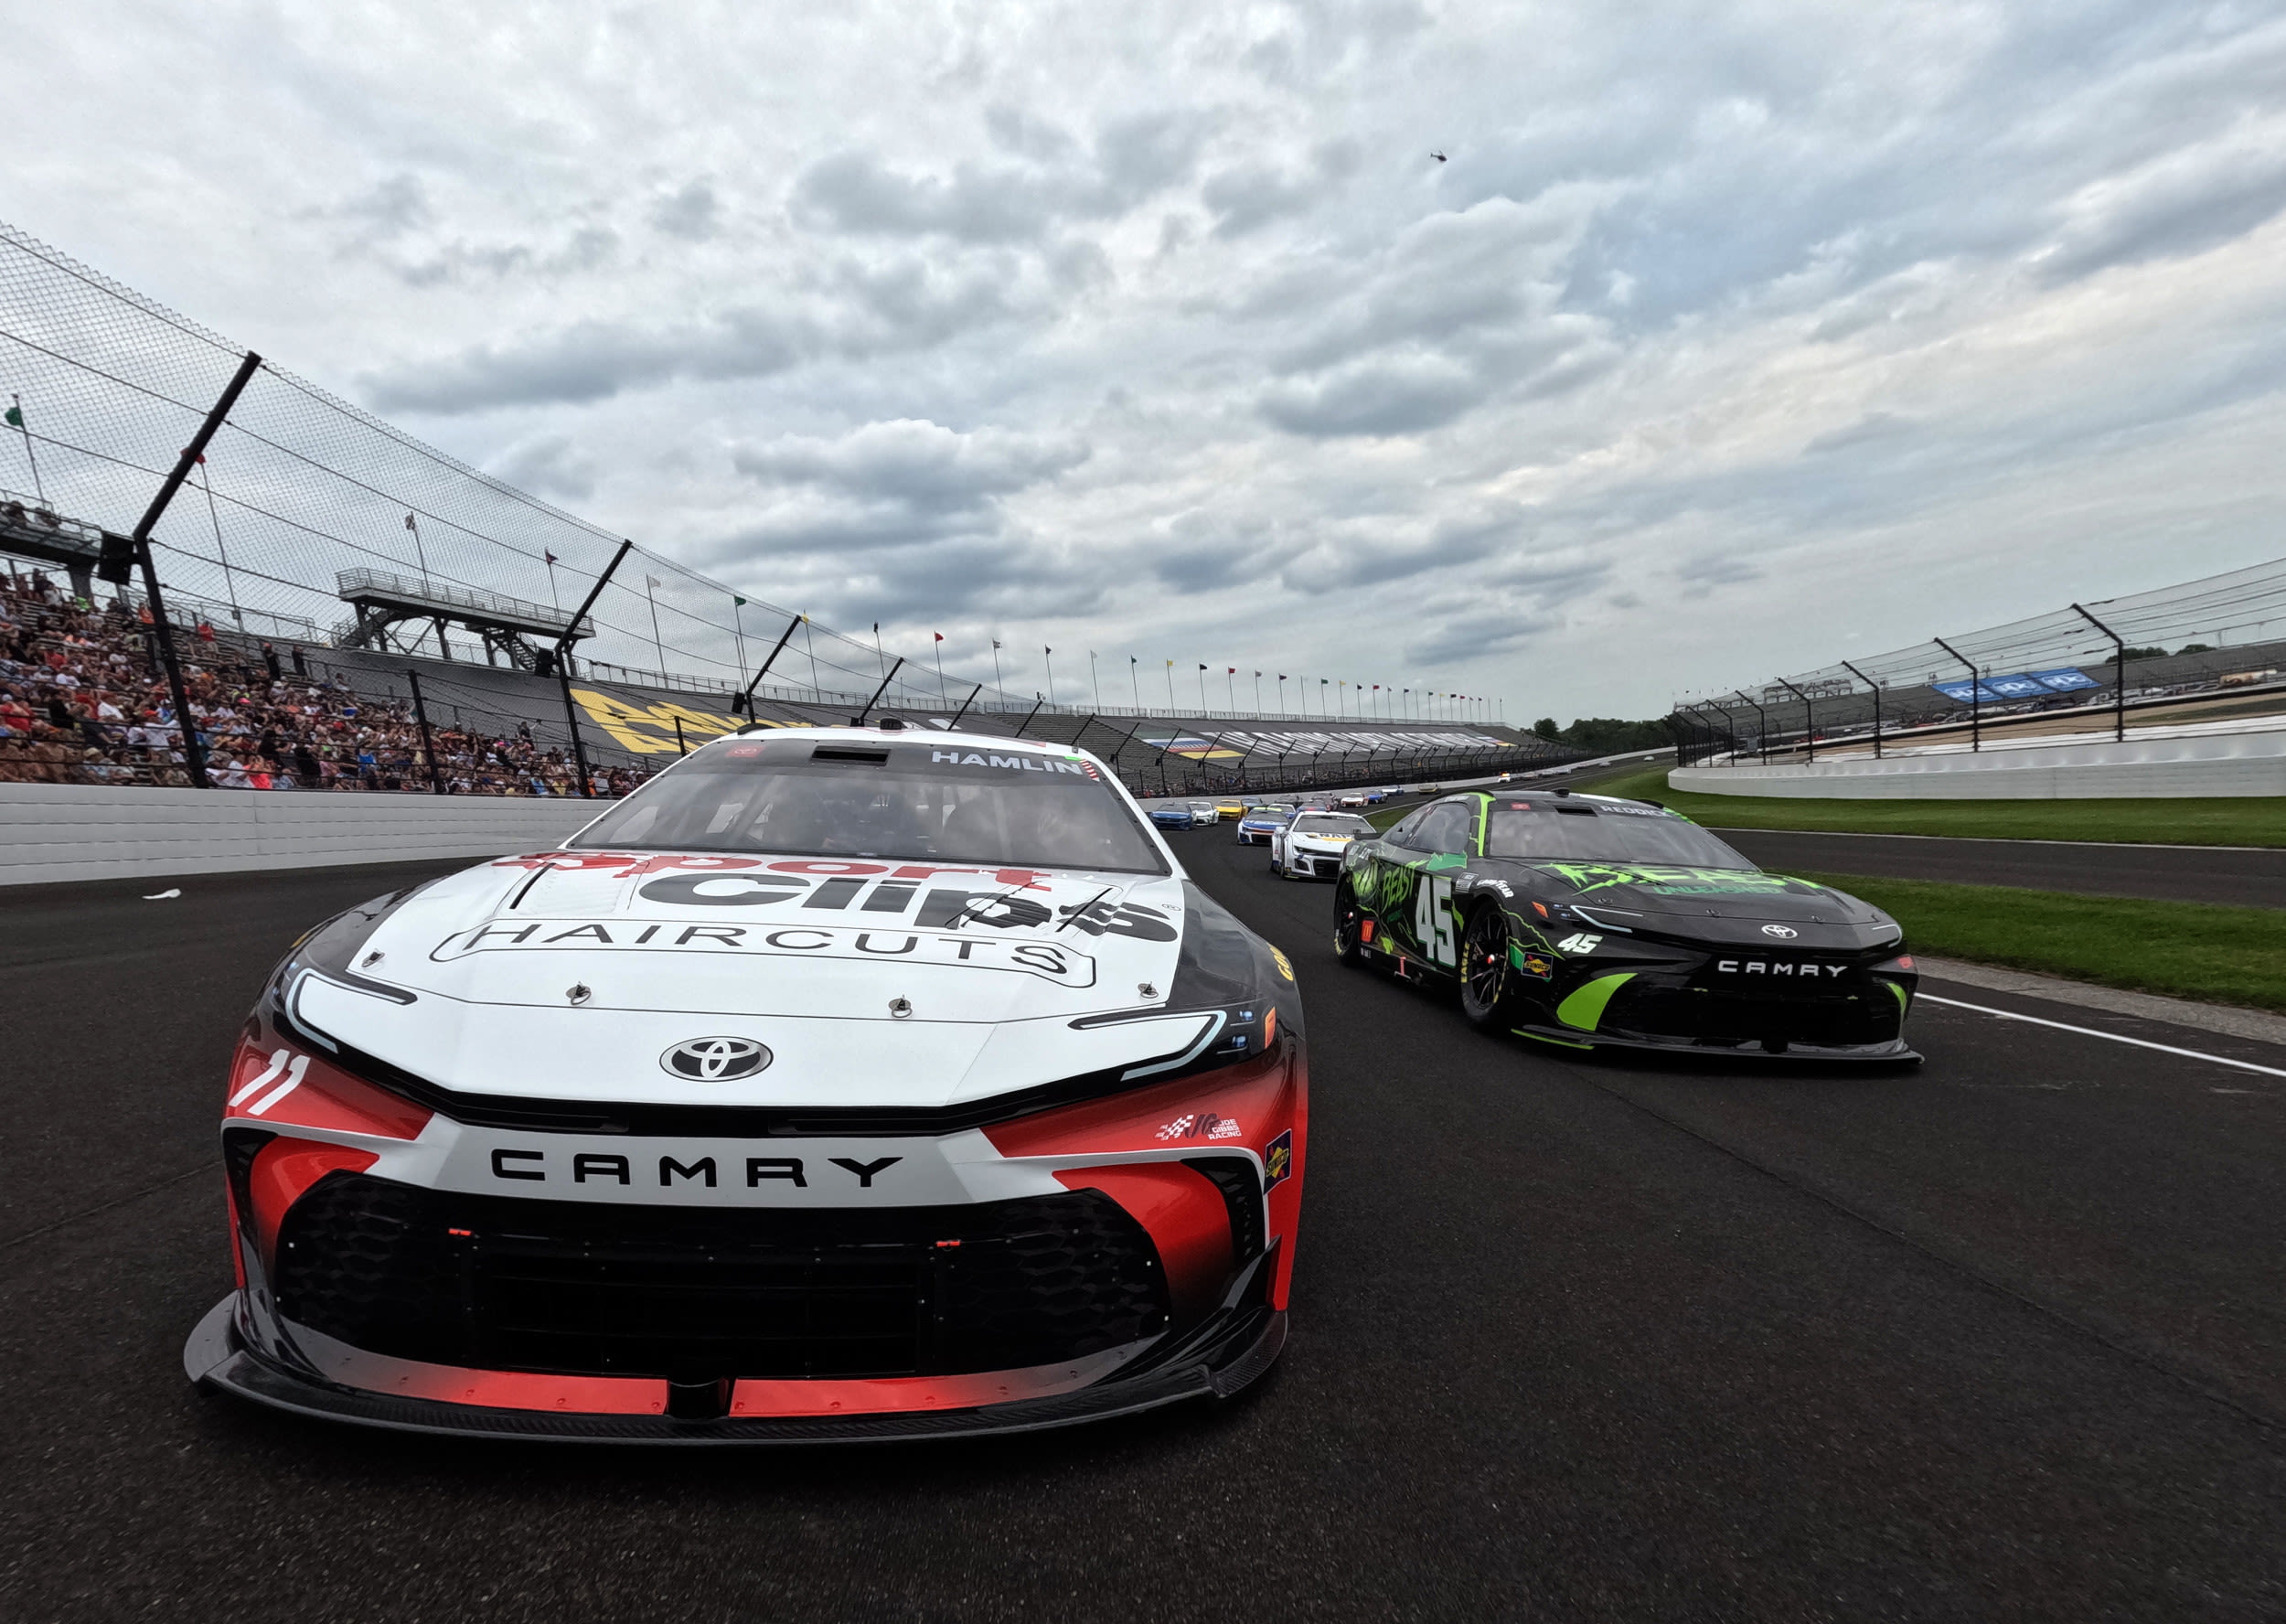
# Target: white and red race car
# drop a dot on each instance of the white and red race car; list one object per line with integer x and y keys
{"x": 839, "y": 1084}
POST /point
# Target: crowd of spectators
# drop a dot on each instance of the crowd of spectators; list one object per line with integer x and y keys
{"x": 83, "y": 699}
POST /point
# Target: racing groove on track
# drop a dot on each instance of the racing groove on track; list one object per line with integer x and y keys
{"x": 2001, "y": 1335}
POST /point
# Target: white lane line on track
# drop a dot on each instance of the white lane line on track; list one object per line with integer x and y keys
{"x": 2089, "y": 1032}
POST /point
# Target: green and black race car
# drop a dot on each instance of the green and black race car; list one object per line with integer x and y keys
{"x": 1585, "y": 921}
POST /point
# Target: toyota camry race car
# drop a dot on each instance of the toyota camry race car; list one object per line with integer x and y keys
{"x": 1311, "y": 846}
{"x": 1586, "y": 920}
{"x": 839, "y": 1084}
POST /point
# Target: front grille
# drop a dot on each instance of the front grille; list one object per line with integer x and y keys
{"x": 688, "y": 1293}
{"x": 1844, "y": 1014}
{"x": 1326, "y": 868}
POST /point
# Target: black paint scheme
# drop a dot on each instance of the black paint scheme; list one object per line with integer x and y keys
{"x": 1583, "y": 920}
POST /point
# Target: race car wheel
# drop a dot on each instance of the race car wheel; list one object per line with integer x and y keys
{"x": 1486, "y": 998}
{"x": 1349, "y": 937}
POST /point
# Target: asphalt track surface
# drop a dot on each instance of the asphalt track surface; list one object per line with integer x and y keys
{"x": 1996, "y": 1336}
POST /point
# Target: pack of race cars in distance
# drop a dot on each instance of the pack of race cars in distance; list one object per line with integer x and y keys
{"x": 839, "y": 1084}
{"x": 1586, "y": 920}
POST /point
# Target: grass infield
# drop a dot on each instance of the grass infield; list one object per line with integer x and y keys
{"x": 2189, "y": 950}
{"x": 2212, "y": 820}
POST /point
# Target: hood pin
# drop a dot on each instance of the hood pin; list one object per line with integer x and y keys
{"x": 899, "y": 1008}
{"x": 370, "y": 959}
{"x": 1147, "y": 989}
{"x": 579, "y": 992}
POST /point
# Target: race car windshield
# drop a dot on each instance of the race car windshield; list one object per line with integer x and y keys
{"x": 807, "y": 798}
{"x": 1539, "y": 828}
{"x": 1327, "y": 823}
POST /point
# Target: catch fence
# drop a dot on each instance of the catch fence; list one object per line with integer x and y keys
{"x": 2203, "y": 648}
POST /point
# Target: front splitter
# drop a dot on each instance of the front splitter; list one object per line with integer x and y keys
{"x": 216, "y": 1358}
{"x": 1895, "y": 1053}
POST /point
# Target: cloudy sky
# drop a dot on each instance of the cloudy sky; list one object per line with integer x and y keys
{"x": 1730, "y": 339}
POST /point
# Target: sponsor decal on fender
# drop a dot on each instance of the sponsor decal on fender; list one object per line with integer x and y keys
{"x": 1538, "y": 965}
{"x": 1050, "y": 961}
{"x": 1277, "y": 1161}
{"x": 1200, "y": 1125}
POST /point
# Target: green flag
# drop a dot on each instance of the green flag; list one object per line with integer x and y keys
{"x": 15, "y": 417}
{"x": 738, "y": 603}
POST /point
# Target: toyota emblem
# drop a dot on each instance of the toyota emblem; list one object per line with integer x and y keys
{"x": 1787, "y": 931}
{"x": 715, "y": 1060}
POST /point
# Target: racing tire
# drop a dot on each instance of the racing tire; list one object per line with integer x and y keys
{"x": 1487, "y": 995}
{"x": 1349, "y": 937}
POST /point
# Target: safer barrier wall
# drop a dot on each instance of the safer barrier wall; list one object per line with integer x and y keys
{"x": 58, "y": 831}
{"x": 2242, "y": 763}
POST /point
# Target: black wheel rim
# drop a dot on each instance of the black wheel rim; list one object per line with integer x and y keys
{"x": 1486, "y": 948}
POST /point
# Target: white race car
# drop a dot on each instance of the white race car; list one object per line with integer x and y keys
{"x": 1311, "y": 847}
{"x": 839, "y": 1084}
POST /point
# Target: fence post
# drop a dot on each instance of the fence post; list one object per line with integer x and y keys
{"x": 2119, "y": 670}
{"x": 1808, "y": 718}
{"x": 1869, "y": 682}
{"x": 571, "y": 715}
{"x": 118, "y": 561}
{"x": 1976, "y": 696}
{"x": 421, "y": 715}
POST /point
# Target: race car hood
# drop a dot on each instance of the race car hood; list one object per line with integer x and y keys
{"x": 573, "y": 974}
{"x": 1718, "y": 904}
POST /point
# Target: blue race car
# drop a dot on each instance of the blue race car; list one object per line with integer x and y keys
{"x": 1173, "y": 815}
{"x": 1257, "y": 827}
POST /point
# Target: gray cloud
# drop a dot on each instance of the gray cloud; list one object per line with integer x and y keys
{"x": 691, "y": 212}
{"x": 549, "y": 464}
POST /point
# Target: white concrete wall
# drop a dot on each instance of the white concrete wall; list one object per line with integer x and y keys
{"x": 61, "y": 832}
{"x": 2242, "y": 763}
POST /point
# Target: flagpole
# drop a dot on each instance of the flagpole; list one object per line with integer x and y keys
{"x": 419, "y": 552}
{"x": 1047, "y": 657}
{"x": 658, "y": 643}
{"x": 16, "y": 416}
{"x": 554, "y": 597}
{"x": 999, "y": 685}
{"x": 941, "y": 695}
{"x": 230, "y": 588}
{"x": 738, "y": 637}
{"x": 1095, "y": 679}
{"x": 1135, "y": 681}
